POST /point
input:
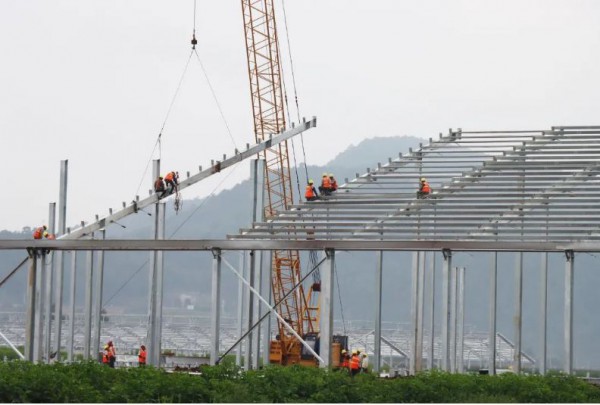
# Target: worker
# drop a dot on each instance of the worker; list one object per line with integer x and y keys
{"x": 345, "y": 363}
{"x": 142, "y": 356}
{"x": 171, "y": 179}
{"x": 424, "y": 188}
{"x": 333, "y": 182}
{"x": 311, "y": 192}
{"x": 159, "y": 187}
{"x": 112, "y": 354}
{"x": 105, "y": 355}
{"x": 40, "y": 232}
{"x": 364, "y": 363}
{"x": 354, "y": 363}
{"x": 325, "y": 187}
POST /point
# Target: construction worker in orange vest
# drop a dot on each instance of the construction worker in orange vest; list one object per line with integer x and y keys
{"x": 325, "y": 187}
{"x": 112, "y": 354}
{"x": 311, "y": 192}
{"x": 333, "y": 182}
{"x": 345, "y": 364}
{"x": 354, "y": 363}
{"x": 424, "y": 188}
{"x": 142, "y": 356}
{"x": 171, "y": 179}
{"x": 105, "y": 355}
{"x": 40, "y": 232}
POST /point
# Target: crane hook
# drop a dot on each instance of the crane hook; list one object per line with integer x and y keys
{"x": 194, "y": 40}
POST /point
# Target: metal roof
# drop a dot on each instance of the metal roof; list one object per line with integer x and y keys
{"x": 504, "y": 186}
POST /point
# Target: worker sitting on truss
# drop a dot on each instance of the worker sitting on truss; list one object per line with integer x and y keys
{"x": 311, "y": 192}
{"x": 40, "y": 232}
{"x": 171, "y": 179}
{"x": 424, "y": 189}
{"x": 325, "y": 187}
{"x": 159, "y": 187}
{"x": 333, "y": 182}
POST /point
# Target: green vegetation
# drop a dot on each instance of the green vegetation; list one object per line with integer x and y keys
{"x": 92, "y": 382}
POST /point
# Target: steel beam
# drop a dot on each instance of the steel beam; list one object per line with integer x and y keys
{"x": 213, "y": 169}
{"x": 47, "y": 262}
{"x": 432, "y": 307}
{"x": 414, "y": 313}
{"x": 453, "y": 317}
{"x": 240, "y": 308}
{"x": 317, "y": 244}
{"x": 460, "y": 321}
{"x": 420, "y": 310}
{"x": 250, "y": 311}
{"x": 378, "y": 304}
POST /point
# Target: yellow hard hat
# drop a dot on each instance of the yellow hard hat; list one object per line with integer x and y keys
{"x": 310, "y": 181}
{"x": 354, "y": 352}
{"x": 423, "y": 179}
{"x": 344, "y": 351}
{"x": 324, "y": 174}
{"x": 330, "y": 174}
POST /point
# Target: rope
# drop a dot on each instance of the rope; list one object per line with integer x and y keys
{"x": 337, "y": 279}
{"x": 158, "y": 140}
{"x": 215, "y": 97}
{"x": 287, "y": 36}
{"x": 172, "y": 234}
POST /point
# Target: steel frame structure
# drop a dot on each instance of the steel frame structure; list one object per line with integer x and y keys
{"x": 541, "y": 182}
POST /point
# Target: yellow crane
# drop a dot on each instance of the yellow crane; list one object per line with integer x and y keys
{"x": 299, "y": 309}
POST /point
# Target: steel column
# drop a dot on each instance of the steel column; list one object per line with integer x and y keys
{"x": 414, "y": 313}
{"x": 568, "y": 326}
{"x": 460, "y": 321}
{"x": 215, "y": 317}
{"x": 267, "y": 322}
{"x": 159, "y": 283}
{"x": 517, "y": 320}
{"x": 452, "y": 281}
{"x": 49, "y": 287}
{"x": 543, "y": 313}
{"x": 152, "y": 343}
{"x": 38, "y": 346}
{"x": 420, "y": 312}
{"x": 493, "y": 324}
{"x": 431, "y": 299}
{"x": 378, "y": 303}
{"x": 249, "y": 312}
{"x": 59, "y": 267}
{"x": 446, "y": 309}
{"x": 99, "y": 282}
{"x": 87, "y": 330}
{"x": 257, "y": 309}
{"x": 326, "y": 324}
{"x": 30, "y": 326}
{"x": 240, "y": 308}
{"x": 72, "y": 289}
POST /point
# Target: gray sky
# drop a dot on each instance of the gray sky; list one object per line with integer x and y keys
{"x": 92, "y": 81}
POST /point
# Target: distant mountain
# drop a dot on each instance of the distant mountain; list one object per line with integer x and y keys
{"x": 188, "y": 274}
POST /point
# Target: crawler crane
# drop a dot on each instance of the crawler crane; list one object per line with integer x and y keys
{"x": 300, "y": 309}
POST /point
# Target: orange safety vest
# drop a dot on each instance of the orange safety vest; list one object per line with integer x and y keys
{"x": 345, "y": 362}
{"x": 325, "y": 182}
{"x": 355, "y": 362}
{"x": 159, "y": 185}
{"x": 425, "y": 188}
{"x": 105, "y": 357}
{"x": 37, "y": 234}
{"x": 142, "y": 357}
{"x": 310, "y": 192}
{"x": 169, "y": 176}
{"x": 333, "y": 184}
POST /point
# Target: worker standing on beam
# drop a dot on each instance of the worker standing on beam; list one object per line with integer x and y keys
{"x": 311, "y": 192}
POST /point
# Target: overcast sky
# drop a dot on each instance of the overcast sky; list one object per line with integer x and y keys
{"x": 92, "y": 82}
